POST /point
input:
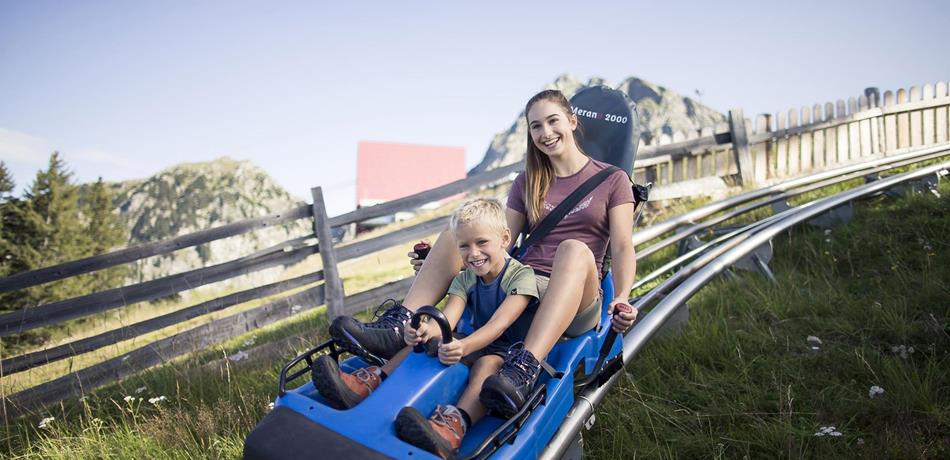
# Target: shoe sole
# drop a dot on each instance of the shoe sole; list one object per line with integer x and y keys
{"x": 348, "y": 343}
{"x": 412, "y": 427}
{"x": 498, "y": 402}
{"x": 326, "y": 377}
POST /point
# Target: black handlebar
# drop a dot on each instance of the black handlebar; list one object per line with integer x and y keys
{"x": 433, "y": 314}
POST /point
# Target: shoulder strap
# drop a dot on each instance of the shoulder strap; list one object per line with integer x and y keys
{"x": 554, "y": 217}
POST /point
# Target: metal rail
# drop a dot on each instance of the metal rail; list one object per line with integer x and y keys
{"x": 693, "y": 216}
{"x": 676, "y": 290}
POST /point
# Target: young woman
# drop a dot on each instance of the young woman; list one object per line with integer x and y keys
{"x": 567, "y": 261}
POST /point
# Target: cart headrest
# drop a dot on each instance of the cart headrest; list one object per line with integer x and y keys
{"x": 609, "y": 124}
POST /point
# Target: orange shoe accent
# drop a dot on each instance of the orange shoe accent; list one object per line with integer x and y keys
{"x": 363, "y": 381}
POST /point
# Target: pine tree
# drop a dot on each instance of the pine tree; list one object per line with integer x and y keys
{"x": 6, "y": 189}
{"x": 46, "y": 230}
{"x": 106, "y": 232}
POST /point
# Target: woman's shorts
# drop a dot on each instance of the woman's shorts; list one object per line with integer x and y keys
{"x": 586, "y": 320}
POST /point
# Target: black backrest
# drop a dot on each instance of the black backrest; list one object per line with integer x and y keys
{"x": 610, "y": 127}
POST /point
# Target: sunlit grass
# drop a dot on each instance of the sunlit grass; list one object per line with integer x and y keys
{"x": 742, "y": 379}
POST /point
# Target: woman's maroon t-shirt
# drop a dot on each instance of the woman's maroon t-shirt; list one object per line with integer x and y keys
{"x": 587, "y": 222}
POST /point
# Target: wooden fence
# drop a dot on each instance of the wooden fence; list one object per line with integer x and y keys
{"x": 776, "y": 147}
{"x": 800, "y": 140}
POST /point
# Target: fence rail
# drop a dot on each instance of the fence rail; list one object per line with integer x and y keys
{"x": 773, "y": 147}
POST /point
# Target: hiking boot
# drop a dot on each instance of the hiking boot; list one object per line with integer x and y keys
{"x": 381, "y": 337}
{"x": 506, "y": 392}
{"x": 440, "y": 434}
{"x": 340, "y": 389}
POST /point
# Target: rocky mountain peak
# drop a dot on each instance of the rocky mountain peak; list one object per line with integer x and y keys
{"x": 661, "y": 110}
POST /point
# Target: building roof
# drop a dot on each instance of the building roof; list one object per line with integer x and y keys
{"x": 386, "y": 171}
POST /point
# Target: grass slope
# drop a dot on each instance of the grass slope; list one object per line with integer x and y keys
{"x": 741, "y": 379}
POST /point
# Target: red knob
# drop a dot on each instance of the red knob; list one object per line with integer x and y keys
{"x": 421, "y": 249}
{"x": 622, "y": 307}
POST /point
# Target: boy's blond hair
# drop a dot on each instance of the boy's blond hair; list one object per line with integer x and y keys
{"x": 485, "y": 211}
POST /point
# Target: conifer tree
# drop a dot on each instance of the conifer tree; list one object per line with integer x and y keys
{"x": 106, "y": 232}
{"x": 46, "y": 230}
{"x": 6, "y": 189}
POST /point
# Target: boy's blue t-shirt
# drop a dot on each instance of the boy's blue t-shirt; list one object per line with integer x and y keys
{"x": 482, "y": 300}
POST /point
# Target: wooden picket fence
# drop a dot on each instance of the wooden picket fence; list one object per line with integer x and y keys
{"x": 779, "y": 146}
{"x": 800, "y": 140}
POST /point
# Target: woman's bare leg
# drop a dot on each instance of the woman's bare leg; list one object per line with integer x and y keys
{"x": 574, "y": 283}
{"x": 432, "y": 281}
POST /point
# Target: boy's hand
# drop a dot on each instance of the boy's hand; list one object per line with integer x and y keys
{"x": 452, "y": 352}
{"x": 416, "y": 259}
{"x": 625, "y": 316}
{"x": 414, "y": 337}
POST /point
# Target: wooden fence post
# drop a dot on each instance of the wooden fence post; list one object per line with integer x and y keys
{"x": 740, "y": 145}
{"x": 332, "y": 284}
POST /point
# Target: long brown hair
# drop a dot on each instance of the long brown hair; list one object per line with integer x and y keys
{"x": 538, "y": 169}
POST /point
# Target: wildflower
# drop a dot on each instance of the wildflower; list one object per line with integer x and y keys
{"x": 238, "y": 356}
{"x": 902, "y": 350}
{"x": 156, "y": 400}
{"x": 45, "y": 422}
{"x": 139, "y": 390}
{"x": 270, "y": 406}
{"x": 874, "y": 391}
{"x": 249, "y": 342}
{"x": 295, "y": 308}
{"x": 828, "y": 431}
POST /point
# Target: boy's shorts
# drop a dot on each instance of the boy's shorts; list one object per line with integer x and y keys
{"x": 588, "y": 319}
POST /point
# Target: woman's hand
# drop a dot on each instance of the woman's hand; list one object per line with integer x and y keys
{"x": 452, "y": 352}
{"x": 623, "y": 319}
{"x": 414, "y": 337}
{"x": 415, "y": 261}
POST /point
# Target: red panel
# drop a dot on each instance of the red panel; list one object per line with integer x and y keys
{"x": 386, "y": 171}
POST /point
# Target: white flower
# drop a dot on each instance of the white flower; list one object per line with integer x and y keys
{"x": 828, "y": 431}
{"x": 129, "y": 398}
{"x": 156, "y": 400}
{"x": 295, "y": 308}
{"x": 270, "y": 406}
{"x": 249, "y": 342}
{"x": 45, "y": 422}
{"x": 874, "y": 391}
{"x": 238, "y": 356}
{"x": 139, "y": 390}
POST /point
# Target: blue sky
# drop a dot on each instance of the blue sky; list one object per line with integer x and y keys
{"x": 124, "y": 89}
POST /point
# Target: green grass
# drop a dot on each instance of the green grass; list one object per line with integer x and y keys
{"x": 741, "y": 381}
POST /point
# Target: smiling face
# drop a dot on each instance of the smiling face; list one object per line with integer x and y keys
{"x": 551, "y": 128}
{"x": 483, "y": 248}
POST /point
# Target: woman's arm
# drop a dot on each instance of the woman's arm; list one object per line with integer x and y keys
{"x": 623, "y": 258}
{"x": 516, "y": 222}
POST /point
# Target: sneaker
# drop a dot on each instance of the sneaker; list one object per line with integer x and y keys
{"x": 506, "y": 392}
{"x": 343, "y": 390}
{"x": 381, "y": 337}
{"x": 440, "y": 434}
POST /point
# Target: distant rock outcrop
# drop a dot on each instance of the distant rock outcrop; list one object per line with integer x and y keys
{"x": 661, "y": 112}
{"x": 190, "y": 197}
